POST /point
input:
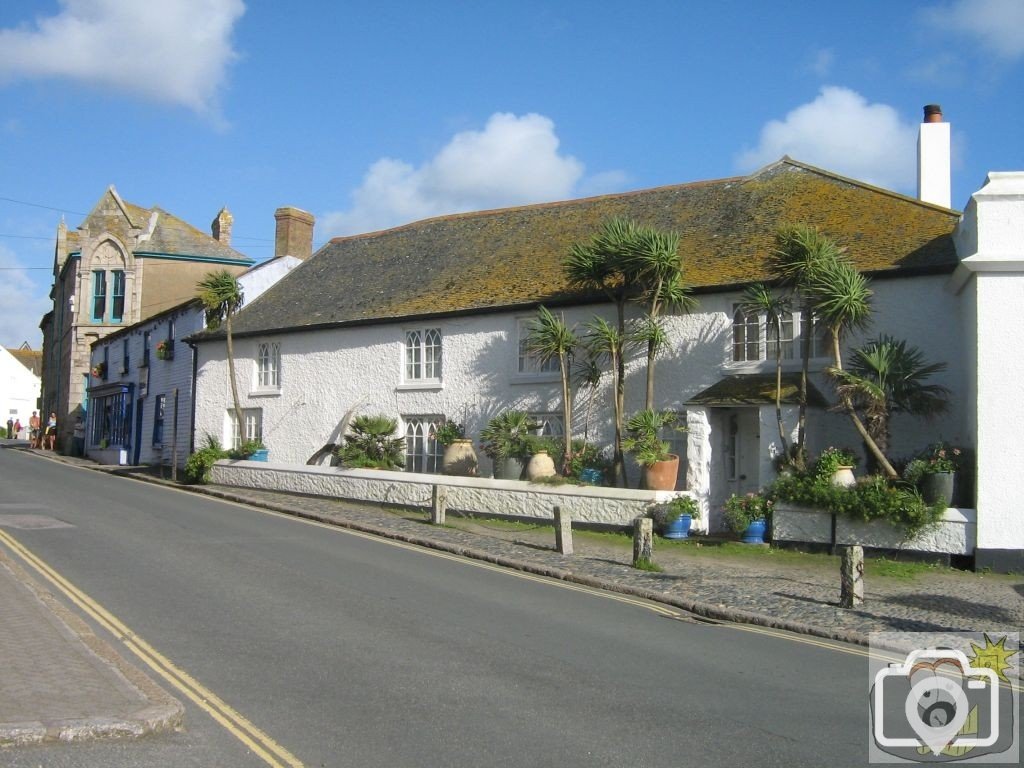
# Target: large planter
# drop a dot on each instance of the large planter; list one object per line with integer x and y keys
{"x": 754, "y": 534}
{"x": 843, "y": 477}
{"x": 540, "y": 465}
{"x": 679, "y": 528}
{"x": 937, "y": 487}
{"x": 260, "y": 454}
{"x": 509, "y": 468}
{"x": 661, "y": 475}
{"x": 459, "y": 459}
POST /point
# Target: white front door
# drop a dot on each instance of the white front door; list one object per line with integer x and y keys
{"x": 741, "y": 438}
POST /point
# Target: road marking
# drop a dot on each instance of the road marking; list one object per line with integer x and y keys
{"x": 230, "y": 719}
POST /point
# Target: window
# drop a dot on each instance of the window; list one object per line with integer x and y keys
{"x": 124, "y": 356}
{"x": 422, "y": 452}
{"x": 111, "y": 420}
{"x": 99, "y": 295}
{"x": 749, "y": 344}
{"x": 550, "y": 424}
{"x": 529, "y": 363}
{"x": 423, "y": 355}
{"x": 146, "y": 335}
{"x": 746, "y": 336}
{"x": 117, "y": 296}
{"x": 268, "y": 366}
{"x": 158, "y": 419}
{"x": 253, "y": 426}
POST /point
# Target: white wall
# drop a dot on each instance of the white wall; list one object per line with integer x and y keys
{"x": 325, "y": 373}
{"x": 19, "y": 390}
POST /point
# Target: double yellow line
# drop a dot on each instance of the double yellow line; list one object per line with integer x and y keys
{"x": 234, "y": 722}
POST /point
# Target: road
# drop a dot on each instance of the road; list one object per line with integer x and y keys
{"x": 348, "y": 650}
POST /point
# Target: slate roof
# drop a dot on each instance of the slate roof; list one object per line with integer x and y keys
{"x": 167, "y": 234}
{"x": 491, "y": 260}
{"x": 757, "y": 389}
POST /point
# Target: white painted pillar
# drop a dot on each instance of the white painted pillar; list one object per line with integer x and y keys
{"x": 698, "y": 462}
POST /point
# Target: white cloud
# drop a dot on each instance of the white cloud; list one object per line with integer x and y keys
{"x": 25, "y": 303}
{"x": 998, "y": 25}
{"x": 174, "y": 51}
{"x": 512, "y": 161}
{"x": 842, "y": 132}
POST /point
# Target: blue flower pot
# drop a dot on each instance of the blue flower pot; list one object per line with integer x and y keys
{"x": 260, "y": 454}
{"x": 754, "y": 534}
{"x": 680, "y": 529}
{"x": 592, "y": 476}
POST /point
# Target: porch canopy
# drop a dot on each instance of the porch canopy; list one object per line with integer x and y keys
{"x": 757, "y": 389}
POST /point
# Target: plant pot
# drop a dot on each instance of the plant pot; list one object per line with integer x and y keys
{"x": 540, "y": 465}
{"x": 592, "y": 476}
{"x": 509, "y": 468}
{"x": 754, "y": 534}
{"x": 843, "y": 477}
{"x": 937, "y": 487}
{"x": 679, "y": 529}
{"x": 661, "y": 475}
{"x": 459, "y": 459}
{"x": 260, "y": 454}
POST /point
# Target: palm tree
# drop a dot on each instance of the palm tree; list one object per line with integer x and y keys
{"x": 550, "y": 338}
{"x": 887, "y": 377}
{"x": 800, "y": 252}
{"x": 653, "y": 256}
{"x": 758, "y": 299}
{"x": 605, "y": 341}
{"x": 221, "y": 296}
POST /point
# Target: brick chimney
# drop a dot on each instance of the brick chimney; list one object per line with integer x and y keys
{"x": 294, "y": 233}
{"x": 933, "y": 175}
{"x": 221, "y": 226}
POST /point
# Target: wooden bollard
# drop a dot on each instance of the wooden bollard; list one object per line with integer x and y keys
{"x": 438, "y": 505}
{"x": 643, "y": 540}
{"x": 563, "y": 530}
{"x": 851, "y": 574}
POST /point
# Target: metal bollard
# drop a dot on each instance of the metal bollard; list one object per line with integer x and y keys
{"x": 438, "y": 505}
{"x": 563, "y": 530}
{"x": 643, "y": 540}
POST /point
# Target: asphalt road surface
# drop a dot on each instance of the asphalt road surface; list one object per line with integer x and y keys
{"x": 346, "y": 650}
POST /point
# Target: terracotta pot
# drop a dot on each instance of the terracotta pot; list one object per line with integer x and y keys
{"x": 459, "y": 459}
{"x": 541, "y": 465}
{"x": 661, "y": 475}
{"x": 509, "y": 468}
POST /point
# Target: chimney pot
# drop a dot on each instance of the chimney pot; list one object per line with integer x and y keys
{"x": 933, "y": 113}
{"x": 221, "y": 226}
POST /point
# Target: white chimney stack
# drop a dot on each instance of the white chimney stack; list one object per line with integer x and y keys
{"x": 933, "y": 176}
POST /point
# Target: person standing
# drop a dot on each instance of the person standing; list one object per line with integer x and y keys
{"x": 51, "y": 431}
{"x": 17, "y": 429}
{"x": 34, "y": 424}
{"x": 78, "y": 438}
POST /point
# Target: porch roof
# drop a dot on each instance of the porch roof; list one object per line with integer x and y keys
{"x": 757, "y": 389}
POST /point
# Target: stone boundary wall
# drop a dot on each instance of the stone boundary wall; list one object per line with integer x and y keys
{"x": 587, "y": 504}
{"x": 956, "y": 533}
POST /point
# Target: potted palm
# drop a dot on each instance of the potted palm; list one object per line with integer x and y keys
{"x": 507, "y": 441}
{"x": 371, "y": 443}
{"x": 459, "y": 457}
{"x": 674, "y": 518}
{"x": 650, "y": 451}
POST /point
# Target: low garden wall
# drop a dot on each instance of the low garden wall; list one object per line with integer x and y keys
{"x": 955, "y": 534}
{"x": 587, "y": 504}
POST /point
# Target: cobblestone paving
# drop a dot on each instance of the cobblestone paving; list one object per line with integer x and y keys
{"x": 758, "y": 589}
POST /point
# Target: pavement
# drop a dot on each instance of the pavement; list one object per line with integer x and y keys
{"x": 60, "y": 681}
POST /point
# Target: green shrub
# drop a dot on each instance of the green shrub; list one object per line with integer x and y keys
{"x": 199, "y": 464}
{"x": 371, "y": 443}
{"x": 741, "y": 511}
{"x": 832, "y": 459}
{"x": 245, "y": 450}
{"x": 448, "y": 431}
{"x": 664, "y": 515}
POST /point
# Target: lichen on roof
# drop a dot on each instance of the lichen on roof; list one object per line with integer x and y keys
{"x": 513, "y": 257}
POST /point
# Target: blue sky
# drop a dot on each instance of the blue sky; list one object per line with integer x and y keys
{"x": 370, "y": 115}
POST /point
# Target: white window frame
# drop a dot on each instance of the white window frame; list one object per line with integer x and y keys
{"x": 422, "y": 451}
{"x": 423, "y": 356}
{"x": 791, "y": 340}
{"x": 550, "y": 424}
{"x": 268, "y": 366}
{"x": 253, "y": 426}
{"x": 529, "y": 363}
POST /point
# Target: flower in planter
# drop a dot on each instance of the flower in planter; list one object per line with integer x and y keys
{"x": 165, "y": 349}
{"x": 936, "y": 458}
{"x": 741, "y": 511}
{"x": 99, "y": 371}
